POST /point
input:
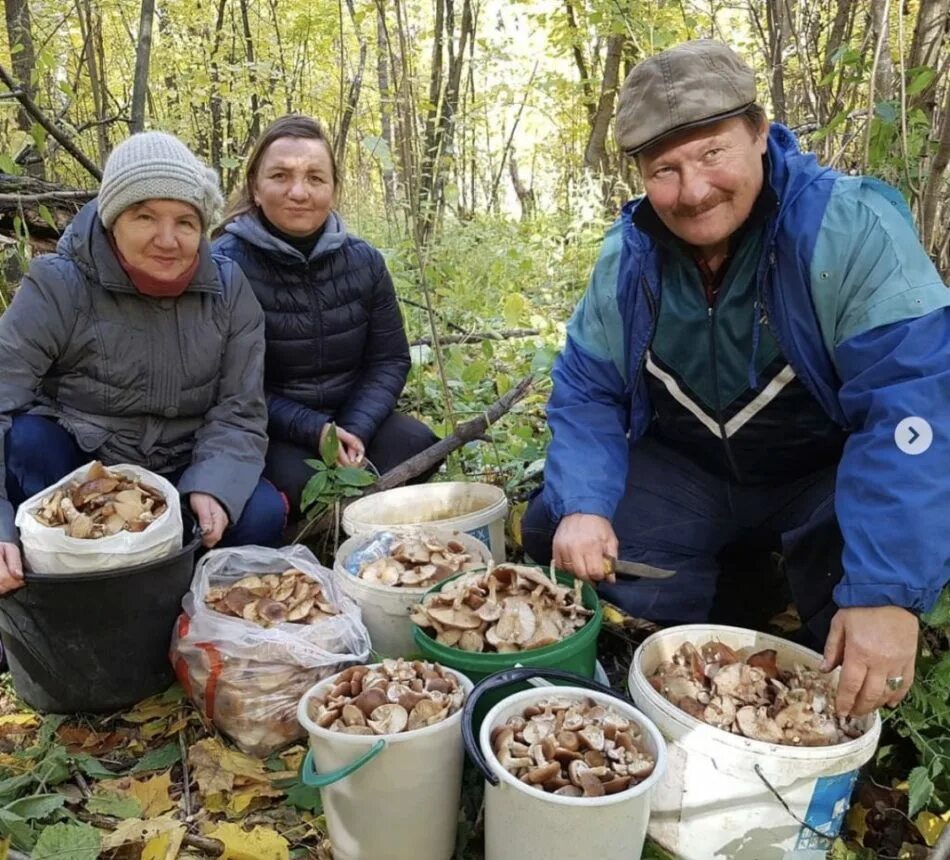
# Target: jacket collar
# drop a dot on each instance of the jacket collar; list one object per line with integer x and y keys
{"x": 249, "y": 228}
{"x": 87, "y": 244}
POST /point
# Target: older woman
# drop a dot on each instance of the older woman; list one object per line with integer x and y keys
{"x": 336, "y": 347}
{"x": 133, "y": 344}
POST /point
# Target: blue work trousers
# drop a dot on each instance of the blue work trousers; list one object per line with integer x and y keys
{"x": 720, "y": 537}
{"x": 38, "y": 453}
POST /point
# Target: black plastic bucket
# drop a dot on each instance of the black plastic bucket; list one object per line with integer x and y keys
{"x": 96, "y": 642}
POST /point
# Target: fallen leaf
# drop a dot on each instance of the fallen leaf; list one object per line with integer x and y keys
{"x": 23, "y": 720}
{"x": 931, "y": 826}
{"x": 152, "y": 794}
{"x": 154, "y": 708}
{"x": 217, "y": 768}
{"x": 293, "y": 758}
{"x": 257, "y": 844}
{"x": 80, "y": 739}
{"x": 75, "y": 841}
{"x": 160, "y": 837}
{"x": 115, "y": 804}
{"x": 159, "y": 759}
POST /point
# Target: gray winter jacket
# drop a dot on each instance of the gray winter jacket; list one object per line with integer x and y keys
{"x": 164, "y": 383}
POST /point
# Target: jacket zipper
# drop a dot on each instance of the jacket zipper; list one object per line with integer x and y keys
{"x": 711, "y": 316}
{"x": 651, "y": 303}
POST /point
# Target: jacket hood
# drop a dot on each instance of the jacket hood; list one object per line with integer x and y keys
{"x": 86, "y": 243}
{"x": 249, "y": 228}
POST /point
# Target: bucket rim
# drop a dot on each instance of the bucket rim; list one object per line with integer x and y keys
{"x": 458, "y": 653}
{"x": 368, "y": 740}
{"x": 630, "y": 710}
{"x": 707, "y": 734}
{"x": 494, "y": 508}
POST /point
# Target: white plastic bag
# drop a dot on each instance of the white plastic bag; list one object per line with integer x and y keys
{"x": 248, "y": 679}
{"x": 51, "y": 550}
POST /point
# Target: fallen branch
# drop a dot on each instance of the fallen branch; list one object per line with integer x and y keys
{"x": 425, "y": 460}
{"x": 213, "y": 847}
{"x": 48, "y": 197}
{"x": 54, "y": 130}
{"x": 478, "y": 336}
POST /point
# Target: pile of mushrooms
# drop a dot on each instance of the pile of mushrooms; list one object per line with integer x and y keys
{"x": 273, "y": 598}
{"x": 417, "y": 562}
{"x": 750, "y": 695}
{"x": 395, "y": 696}
{"x": 507, "y": 608}
{"x": 103, "y": 504}
{"x": 577, "y": 748}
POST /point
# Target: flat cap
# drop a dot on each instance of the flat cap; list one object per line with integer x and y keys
{"x": 693, "y": 84}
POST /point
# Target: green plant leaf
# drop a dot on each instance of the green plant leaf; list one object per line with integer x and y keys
{"x": 54, "y": 767}
{"x": 314, "y": 489}
{"x": 47, "y": 216}
{"x": 920, "y": 790}
{"x": 330, "y": 445}
{"x": 92, "y": 767}
{"x": 111, "y": 803}
{"x": 8, "y": 165}
{"x": 353, "y": 476}
{"x": 316, "y": 465}
{"x": 160, "y": 759}
{"x": 939, "y": 616}
{"x": 304, "y": 797}
{"x": 921, "y": 80}
{"x": 67, "y": 842}
{"x": 514, "y": 307}
{"x": 36, "y": 806}
{"x": 17, "y": 829}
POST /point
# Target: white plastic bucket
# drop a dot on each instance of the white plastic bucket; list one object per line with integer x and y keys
{"x": 722, "y": 795}
{"x": 388, "y": 796}
{"x": 523, "y": 823}
{"x": 386, "y": 609}
{"x": 478, "y": 509}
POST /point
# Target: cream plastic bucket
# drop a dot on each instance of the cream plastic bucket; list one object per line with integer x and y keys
{"x": 385, "y": 609}
{"x": 722, "y": 795}
{"x": 523, "y": 823}
{"x": 478, "y": 509}
{"x": 387, "y": 796}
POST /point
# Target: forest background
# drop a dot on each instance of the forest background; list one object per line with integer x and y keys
{"x": 475, "y": 138}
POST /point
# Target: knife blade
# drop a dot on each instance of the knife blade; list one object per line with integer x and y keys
{"x": 635, "y": 569}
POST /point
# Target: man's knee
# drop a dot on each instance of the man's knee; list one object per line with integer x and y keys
{"x": 262, "y": 520}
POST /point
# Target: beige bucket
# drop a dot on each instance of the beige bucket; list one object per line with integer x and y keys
{"x": 478, "y": 509}
{"x": 387, "y": 796}
{"x": 385, "y": 609}
{"x": 724, "y": 795}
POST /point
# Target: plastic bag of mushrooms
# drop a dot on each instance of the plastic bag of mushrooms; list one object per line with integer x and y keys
{"x": 750, "y": 694}
{"x": 260, "y": 627}
{"x": 100, "y": 518}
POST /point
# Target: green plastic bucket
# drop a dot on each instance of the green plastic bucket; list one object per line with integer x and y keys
{"x": 577, "y": 653}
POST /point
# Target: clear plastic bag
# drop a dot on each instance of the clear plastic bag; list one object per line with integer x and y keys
{"x": 246, "y": 678}
{"x": 51, "y": 550}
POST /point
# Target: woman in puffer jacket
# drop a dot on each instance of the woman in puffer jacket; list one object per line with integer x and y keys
{"x": 132, "y": 344}
{"x": 336, "y": 347}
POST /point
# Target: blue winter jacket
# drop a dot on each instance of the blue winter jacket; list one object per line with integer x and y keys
{"x": 336, "y": 347}
{"x": 862, "y": 317}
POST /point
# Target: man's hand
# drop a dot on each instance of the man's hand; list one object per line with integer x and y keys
{"x": 211, "y": 518}
{"x": 872, "y": 645}
{"x": 11, "y": 567}
{"x": 580, "y": 544}
{"x": 352, "y": 450}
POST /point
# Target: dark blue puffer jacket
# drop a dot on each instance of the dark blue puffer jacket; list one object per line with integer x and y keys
{"x": 336, "y": 346}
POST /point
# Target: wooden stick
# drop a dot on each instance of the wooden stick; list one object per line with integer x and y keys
{"x": 49, "y": 196}
{"x": 185, "y": 775}
{"x": 55, "y": 131}
{"x": 214, "y": 847}
{"x": 474, "y": 337}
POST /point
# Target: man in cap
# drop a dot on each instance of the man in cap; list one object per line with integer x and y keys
{"x": 761, "y": 360}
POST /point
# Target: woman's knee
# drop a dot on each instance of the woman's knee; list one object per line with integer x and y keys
{"x": 37, "y": 453}
{"x": 263, "y": 519}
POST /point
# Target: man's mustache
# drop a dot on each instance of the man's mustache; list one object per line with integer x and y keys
{"x": 705, "y": 206}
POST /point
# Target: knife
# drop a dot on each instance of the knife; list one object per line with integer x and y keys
{"x": 635, "y": 569}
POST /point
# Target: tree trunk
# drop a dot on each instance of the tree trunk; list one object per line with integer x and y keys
{"x": 353, "y": 95}
{"x": 20, "y": 33}
{"x": 525, "y": 193}
{"x": 385, "y": 107}
{"x": 90, "y": 28}
{"x": 931, "y": 200}
{"x": 933, "y": 18}
{"x": 143, "y": 49}
{"x": 884, "y": 64}
{"x": 580, "y": 62}
{"x": 217, "y": 128}
{"x": 595, "y": 156}
{"x": 254, "y": 130}
{"x": 776, "y": 31}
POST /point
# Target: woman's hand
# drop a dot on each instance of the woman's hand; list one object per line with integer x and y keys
{"x": 211, "y": 518}
{"x": 352, "y": 450}
{"x": 11, "y": 567}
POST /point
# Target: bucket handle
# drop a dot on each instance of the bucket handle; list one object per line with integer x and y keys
{"x": 758, "y": 772}
{"x": 310, "y": 777}
{"x": 505, "y": 679}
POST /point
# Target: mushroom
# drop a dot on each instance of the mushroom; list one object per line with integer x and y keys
{"x": 388, "y": 719}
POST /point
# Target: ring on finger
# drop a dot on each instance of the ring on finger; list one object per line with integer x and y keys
{"x": 895, "y": 683}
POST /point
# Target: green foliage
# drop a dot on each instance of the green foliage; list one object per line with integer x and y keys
{"x": 331, "y": 482}
{"x": 68, "y": 842}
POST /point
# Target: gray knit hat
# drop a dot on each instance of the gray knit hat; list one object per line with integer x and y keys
{"x": 154, "y": 165}
{"x": 693, "y": 84}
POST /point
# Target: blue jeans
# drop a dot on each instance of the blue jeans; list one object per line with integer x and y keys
{"x": 676, "y": 516}
{"x": 38, "y": 452}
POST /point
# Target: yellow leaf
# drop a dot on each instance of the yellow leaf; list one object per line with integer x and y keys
{"x": 293, "y": 758}
{"x": 856, "y": 822}
{"x": 152, "y": 794}
{"x": 4, "y": 849}
{"x": 27, "y": 720}
{"x": 151, "y": 709}
{"x": 260, "y": 843}
{"x": 612, "y": 615}
{"x": 931, "y": 826}
{"x": 160, "y": 837}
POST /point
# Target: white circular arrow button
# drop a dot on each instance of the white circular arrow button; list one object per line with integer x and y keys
{"x": 914, "y": 435}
